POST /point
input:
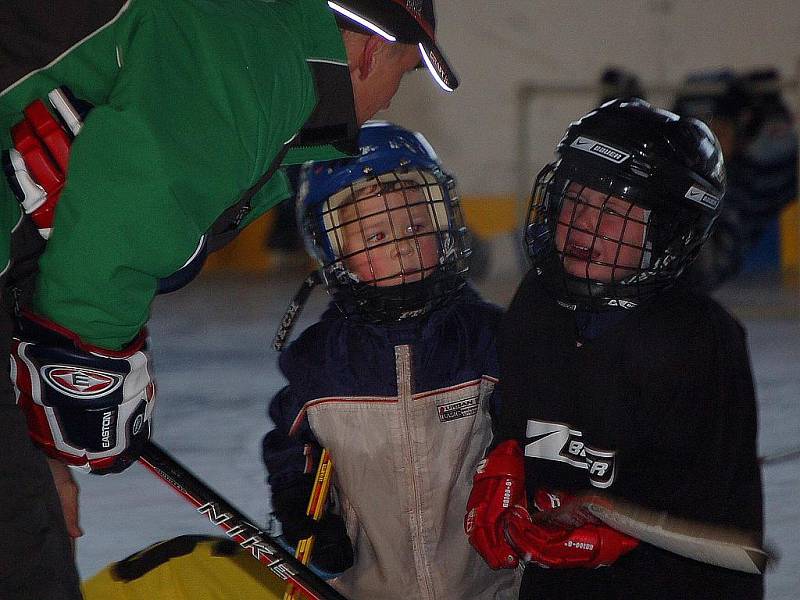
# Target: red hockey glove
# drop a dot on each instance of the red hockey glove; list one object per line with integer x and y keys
{"x": 560, "y": 508}
{"x": 86, "y": 406}
{"x": 548, "y": 543}
{"x": 498, "y": 485}
{"x": 36, "y": 166}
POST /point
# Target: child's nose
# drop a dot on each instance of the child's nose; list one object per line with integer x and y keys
{"x": 403, "y": 247}
{"x": 586, "y": 217}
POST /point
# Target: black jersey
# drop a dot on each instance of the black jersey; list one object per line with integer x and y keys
{"x": 659, "y": 409}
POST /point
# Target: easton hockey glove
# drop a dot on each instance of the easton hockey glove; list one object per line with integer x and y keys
{"x": 498, "y": 486}
{"x": 333, "y": 551}
{"x": 548, "y": 543}
{"x": 36, "y": 166}
{"x": 86, "y": 406}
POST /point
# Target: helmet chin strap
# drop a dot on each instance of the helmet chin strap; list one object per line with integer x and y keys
{"x": 396, "y": 303}
{"x": 580, "y": 293}
{"x": 375, "y": 304}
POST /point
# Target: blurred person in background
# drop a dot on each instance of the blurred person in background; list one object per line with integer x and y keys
{"x": 759, "y": 139}
{"x": 758, "y": 135}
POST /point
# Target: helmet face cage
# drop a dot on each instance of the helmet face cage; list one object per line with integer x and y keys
{"x": 391, "y": 243}
{"x": 606, "y": 237}
{"x": 602, "y": 249}
{"x": 389, "y": 229}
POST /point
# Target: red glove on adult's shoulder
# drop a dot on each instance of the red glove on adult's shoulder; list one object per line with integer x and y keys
{"x": 36, "y": 166}
{"x": 498, "y": 485}
{"x": 573, "y": 539}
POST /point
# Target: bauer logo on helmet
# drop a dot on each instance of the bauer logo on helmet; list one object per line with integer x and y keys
{"x": 600, "y": 149}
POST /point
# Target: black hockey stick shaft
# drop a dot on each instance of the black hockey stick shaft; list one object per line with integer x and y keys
{"x": 294, "y": 309}
{"x": 236, "y": 525}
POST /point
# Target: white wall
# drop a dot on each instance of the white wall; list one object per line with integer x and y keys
{"x": 496, "y": 47}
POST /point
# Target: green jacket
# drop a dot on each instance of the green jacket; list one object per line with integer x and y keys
{"x": 194, "y": 99}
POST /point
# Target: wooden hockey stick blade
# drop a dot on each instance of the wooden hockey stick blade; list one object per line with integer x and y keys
{"x": 237, "y": 526}
{"x": 720, "y": 546}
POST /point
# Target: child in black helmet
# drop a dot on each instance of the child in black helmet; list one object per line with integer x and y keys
{"x": 616, "y": 379}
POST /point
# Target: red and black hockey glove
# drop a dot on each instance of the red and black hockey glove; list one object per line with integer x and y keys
{"x": 36, "y": 166}
{"x": 333, "y": 551}
{"x": 86, "y": 406}
{"x": 562, "y": 536}
{"x": 498, "y": 486}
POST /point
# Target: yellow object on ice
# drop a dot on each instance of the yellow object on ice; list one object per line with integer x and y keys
{"x": 189, "y": 567}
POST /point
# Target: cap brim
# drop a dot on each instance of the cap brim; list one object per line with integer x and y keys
{"x": 437, "y": 66}
{"x": 393, "y": 22}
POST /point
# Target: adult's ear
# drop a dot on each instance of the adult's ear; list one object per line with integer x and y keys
{"x": 362, "y": 50}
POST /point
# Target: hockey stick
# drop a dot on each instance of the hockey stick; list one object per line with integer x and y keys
{"x": 236, "y": 525}
{"x": 715, "y": 545}
{"x": 294, "y": 309}
{"x": 316, "y": 504}
{"x": 721, "y": 546}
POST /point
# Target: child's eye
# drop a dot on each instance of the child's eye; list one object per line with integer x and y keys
{"x": 615, "y": 210}
{"x": 415, "y": 228}
{"x": 376, "y": 237}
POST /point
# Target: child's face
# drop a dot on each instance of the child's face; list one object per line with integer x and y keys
{"x": 600, "y": 237}
{"x": 388, "y": 237}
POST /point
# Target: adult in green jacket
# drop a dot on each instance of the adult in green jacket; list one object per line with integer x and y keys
{"x": 195, "y": 106}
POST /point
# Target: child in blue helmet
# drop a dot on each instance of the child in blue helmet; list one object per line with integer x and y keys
{"x": 397, "y": 380}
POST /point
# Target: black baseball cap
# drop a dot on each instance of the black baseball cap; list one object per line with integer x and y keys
{"x": 404, "y": 21}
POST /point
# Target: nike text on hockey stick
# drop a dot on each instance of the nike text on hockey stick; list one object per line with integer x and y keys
{"x": 316, "y": 506}
{"x": 721, "y": 546}
{"x": 236, "y": 525}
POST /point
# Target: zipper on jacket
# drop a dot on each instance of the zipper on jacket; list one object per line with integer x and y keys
{"x": 404, "y": 390}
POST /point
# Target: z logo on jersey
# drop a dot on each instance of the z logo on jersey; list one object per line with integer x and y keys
{"x": 556, "y": 441}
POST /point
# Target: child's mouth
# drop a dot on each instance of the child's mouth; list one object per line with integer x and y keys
{"x": 578, "y": 251}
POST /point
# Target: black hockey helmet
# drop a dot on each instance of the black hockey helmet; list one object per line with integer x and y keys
{"x": 626, "y": 206}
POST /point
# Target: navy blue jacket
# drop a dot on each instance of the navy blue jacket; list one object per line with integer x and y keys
{"x": 340, "y": 356}
{"x": 405, "y": 410}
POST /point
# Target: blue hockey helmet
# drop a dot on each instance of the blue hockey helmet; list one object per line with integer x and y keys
{"x": 386, "y": 226}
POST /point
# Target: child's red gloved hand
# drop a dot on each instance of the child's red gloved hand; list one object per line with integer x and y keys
{"x": 498, "y": 485}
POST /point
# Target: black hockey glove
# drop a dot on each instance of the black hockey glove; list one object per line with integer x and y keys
{"x": 332, "y": 554}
